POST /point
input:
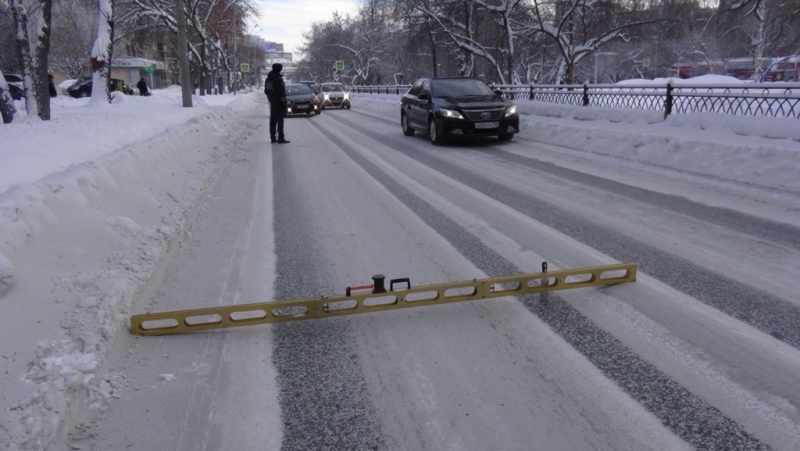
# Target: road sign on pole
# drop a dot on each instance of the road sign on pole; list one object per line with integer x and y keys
{"x": 244, "y": 67}
{"x": 338, "y": 65}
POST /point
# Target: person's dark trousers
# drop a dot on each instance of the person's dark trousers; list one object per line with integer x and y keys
{"x": 277, "y": 112}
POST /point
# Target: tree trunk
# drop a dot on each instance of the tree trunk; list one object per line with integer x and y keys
{"x": 24, "y": 54}
{"x": 101, "y": 52}
{"x": 434, "y": 59}
{"x": 42, "y": 64}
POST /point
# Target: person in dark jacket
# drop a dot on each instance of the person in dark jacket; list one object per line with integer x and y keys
{"x": 276, "y": 93}
{"x": 142, "y": 85}
{"x": 51, "y": 86}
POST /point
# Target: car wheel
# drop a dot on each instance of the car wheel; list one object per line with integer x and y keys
{"x": 347, "y": 106}
{"x": 407, "y": 130}
{"x": 84, "y": 94}
{"x": 506, "y": 137}
{"x": 318, "y": 110}
{"x": 433, "y": 132}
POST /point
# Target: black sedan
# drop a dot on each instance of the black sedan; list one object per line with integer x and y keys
{"x": 83, "y": 87}
{"x": 300, "y": 100}
{"x": 15, "y": 86}
{"x": 457, "y": 107}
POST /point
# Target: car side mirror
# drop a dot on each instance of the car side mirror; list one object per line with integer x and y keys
{"x": 498, "y": 92}
{"x": 423, "y": 96}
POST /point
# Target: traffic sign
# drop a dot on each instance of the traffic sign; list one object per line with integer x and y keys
{"x": 338, "y": 65}
{"x": 244, "y": 67}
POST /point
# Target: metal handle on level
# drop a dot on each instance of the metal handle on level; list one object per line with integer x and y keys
{"x": 398, "y": 281}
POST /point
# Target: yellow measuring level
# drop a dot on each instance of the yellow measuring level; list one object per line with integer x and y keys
{"x": 184, "y": 321}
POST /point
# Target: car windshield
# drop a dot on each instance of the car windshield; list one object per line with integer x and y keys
{"x": 297, "y": 89}
{"x": 460, "y": 87}
{"x": 332, "y": 87}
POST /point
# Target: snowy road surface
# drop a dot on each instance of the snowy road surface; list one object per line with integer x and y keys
{"x": 702, "y": 352}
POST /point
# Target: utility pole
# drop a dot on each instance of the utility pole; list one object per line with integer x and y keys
{"x": 183, "y": 55}
{"x": 235, "y": 57}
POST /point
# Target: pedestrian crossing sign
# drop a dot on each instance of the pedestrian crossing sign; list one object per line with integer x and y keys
{"x": 244, "y": 67}
{"x": 338, "y": 65}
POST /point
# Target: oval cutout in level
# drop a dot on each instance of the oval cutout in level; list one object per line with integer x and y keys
{"x": 614, "y": 274}
{"x": 545, "y": 281}
{"x": 460, "y": 291}
{"x": 294, "y": 310}
{"x": 380, "y": 300}
{"x": 422, "y": 296}
{"x": 202, "y": 319}
{"x": 167, "y": 323}
{"x": 348, "y": 304}
{"x": 506, "y": 286}
{"x": 579, "y": 278}
{"x": 248, "y": 315}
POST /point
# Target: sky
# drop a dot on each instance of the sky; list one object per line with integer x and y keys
{"x": 59, "y": 321}
{"x": 286, "y": 20}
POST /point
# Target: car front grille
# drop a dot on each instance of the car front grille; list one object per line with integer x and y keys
{"x": 485, "y": 115}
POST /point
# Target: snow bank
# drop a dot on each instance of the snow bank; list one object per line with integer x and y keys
{"x": 80, "y": 243}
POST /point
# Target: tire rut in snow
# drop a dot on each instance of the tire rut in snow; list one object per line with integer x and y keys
{"x": 685, "y": 414}
{"x": 772, "y": 231}
{"x": 761, "y": 310}
{"x": 325, "y": 404}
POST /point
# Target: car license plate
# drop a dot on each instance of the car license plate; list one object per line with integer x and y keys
{"x": 302, "y": 107}
{"x": 484, "y": 125}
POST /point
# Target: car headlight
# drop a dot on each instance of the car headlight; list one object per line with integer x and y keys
{"x": 346, "y": 95}
{"x": 451, "y": 114}
{"x": 510, "y": 111}
{"x": 326, "y": 96}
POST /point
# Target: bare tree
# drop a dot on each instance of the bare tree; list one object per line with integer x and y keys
{"x": 209, "y": 22}
{"x": 73, "y": 32}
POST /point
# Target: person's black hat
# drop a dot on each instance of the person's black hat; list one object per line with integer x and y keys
{"x": 277, "y": 67}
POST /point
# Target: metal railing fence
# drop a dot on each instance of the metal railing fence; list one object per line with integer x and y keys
{"x": 746, "y": 99}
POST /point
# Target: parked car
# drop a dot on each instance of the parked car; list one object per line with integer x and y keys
{"x": 83, "y": 87}
{"x": 300, "y": 100}
{"x": 457, "y": 107}
{"x": 314, "y": 86}
{"x": 333, "y": 95}
{"x": 15, "y": 86}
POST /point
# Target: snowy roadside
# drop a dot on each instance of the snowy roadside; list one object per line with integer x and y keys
{"x": 96, "y": 198}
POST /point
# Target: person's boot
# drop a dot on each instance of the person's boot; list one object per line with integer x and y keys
{"x": 283, "y": 141}
{"x": 273, "y": 140}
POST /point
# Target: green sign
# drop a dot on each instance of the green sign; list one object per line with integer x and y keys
{"x": 149, "y": 70}
{"x": 244, "y": 67}
{"x": 338, "y": 65}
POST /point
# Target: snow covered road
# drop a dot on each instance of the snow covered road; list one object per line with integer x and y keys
{"x": 701, "y": 352}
